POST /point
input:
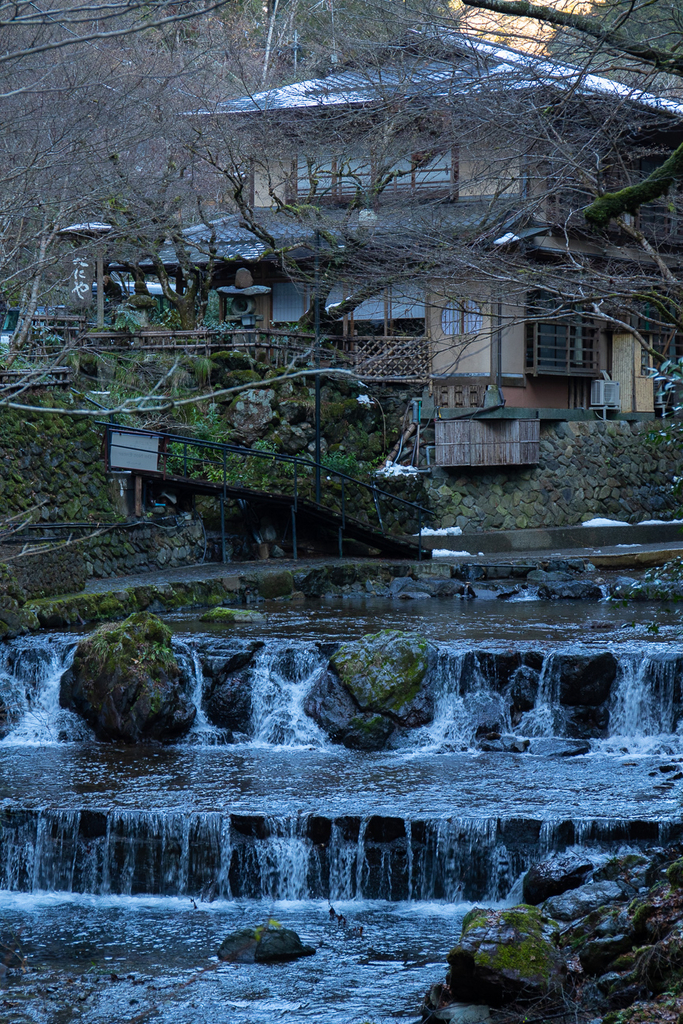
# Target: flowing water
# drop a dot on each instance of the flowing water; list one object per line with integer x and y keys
{"x": 132, "y": 864}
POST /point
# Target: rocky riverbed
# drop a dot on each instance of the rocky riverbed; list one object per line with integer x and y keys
{"x": 500, "y": 780}
{"x": 593, "y": 941}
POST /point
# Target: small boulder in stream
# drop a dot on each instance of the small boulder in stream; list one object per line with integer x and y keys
{"x": 269, "y": 943}
{"x": 504, "y": 955}
{"x": 125, "y": 682}
{"x": 554, "y": 877}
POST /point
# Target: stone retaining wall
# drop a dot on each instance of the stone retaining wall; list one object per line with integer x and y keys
{"x": 615, "y": 469}
{"x": 123, "y": 550}
{"x": 143, "y": 547}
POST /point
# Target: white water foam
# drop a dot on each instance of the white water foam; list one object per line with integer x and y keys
{"x": 203, "y": 732}
{"x": 281, "y": 679}
{"x": 30, "y": 672}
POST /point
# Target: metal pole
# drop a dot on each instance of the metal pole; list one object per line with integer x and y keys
{"x": 419, "y": 535}
{"x": 317, "y": 366}
{"x": 294, "y": 551}
{"x": 100, "y": 291}
{"x": 341, "y": 552}
{"x": 223, "y": 508}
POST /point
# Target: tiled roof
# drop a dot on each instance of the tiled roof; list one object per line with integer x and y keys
{"x": 473, "y": 62}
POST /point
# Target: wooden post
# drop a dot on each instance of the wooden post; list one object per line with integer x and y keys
{"x": 138, "y": 497}
{"x": 100, "y": 292}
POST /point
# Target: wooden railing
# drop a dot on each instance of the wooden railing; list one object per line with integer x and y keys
{"x": 398, "y": 358}
{"x": 402, "y": 357}
{"x": 276, "y": 347}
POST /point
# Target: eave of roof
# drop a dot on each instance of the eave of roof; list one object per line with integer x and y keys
{"x": 439, "y": 78}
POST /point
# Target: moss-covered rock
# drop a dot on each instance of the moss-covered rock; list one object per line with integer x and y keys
{"x": 268, "y": 943}
{"x": 276, "y": 584}
{"x": 674, "y": 873}
{"x": 125, "y": 682}
{"x": 505, "y": 955}
{"x": 231, "y": 616}
{"x": 386, "y": 673}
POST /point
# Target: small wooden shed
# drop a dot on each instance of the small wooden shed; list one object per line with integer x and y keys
{"x": 471, "y": 442}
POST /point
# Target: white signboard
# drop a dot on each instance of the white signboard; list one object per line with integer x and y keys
{"x": 80, "y": 281}
{"x": 134, "y": 451}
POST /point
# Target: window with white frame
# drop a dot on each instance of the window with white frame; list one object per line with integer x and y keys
{"x": 462, "y": 316}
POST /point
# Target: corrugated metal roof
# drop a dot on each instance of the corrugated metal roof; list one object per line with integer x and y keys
{"x": 474, "y": 61}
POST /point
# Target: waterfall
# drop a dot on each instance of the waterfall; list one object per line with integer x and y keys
{"x": 545, "y": 719}
{"x": 30, "y": 672}
{"x": 294, "y": 857}
{"x": 281, "y": 678}
{"x": 646, "y": 696}
{"x": 189, "y": 661}
{"x": 474, "y": 692}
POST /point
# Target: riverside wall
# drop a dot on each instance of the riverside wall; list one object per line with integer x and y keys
{"x": 613, "y": 469}
{"x": 121, "y": 550}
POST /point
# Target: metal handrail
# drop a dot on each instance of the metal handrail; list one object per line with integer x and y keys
{"x": 223, "y": 449}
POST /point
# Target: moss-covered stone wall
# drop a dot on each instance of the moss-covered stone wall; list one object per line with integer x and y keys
{"x": 55, "y": 462}
{"x": 618, "y": 470}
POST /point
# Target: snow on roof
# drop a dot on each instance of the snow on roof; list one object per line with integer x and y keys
{"x": 89, "y": 227}
{"x": 437, "y": 78}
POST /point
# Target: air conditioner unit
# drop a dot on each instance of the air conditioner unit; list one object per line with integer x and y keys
{"x": 605, "y": 394}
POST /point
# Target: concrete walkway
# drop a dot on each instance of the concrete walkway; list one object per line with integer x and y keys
{"x": 606, "y": 558}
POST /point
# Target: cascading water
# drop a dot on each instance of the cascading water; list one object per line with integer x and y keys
{"x": 473, "y": 691}
{"x": 299, "y": 857}
{"x": 203, "y": 732}
{"x": 647, "y": 696}
{"x": 30, "y": 671}
{"x": 281, "y": 678}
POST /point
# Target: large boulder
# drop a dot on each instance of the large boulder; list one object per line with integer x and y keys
{"x": 585, "y": 679}
{"x": 505, "y": 955}
{"x": 125, "y": 682}
{"x": 229, "y": 703}
{"x": 269, "y": 943}
{"x": 554, "y": 877}
{"x": 331, "y": 706}
{"x": 576, "y": 903}
{"x": 386, "y": 674}
{"x": 251, "y": 413}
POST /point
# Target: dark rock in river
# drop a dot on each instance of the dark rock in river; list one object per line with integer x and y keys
{"x": 229, "y": 703}
{"x": 227, "y": 684}
{"x": 331, "y": 706}
{"x": 505, "y": 955}
{"x": 125, "y": 682}
{"x": 265, "y": 944}
{"x": 583, "y": 900}
{"x": 554, "y": 877}
{"x": 552, "y": 746}
{"x": 218, "y": 664}
{"x": 386, "y": 674}
{"x": 585, "y": 679}
{"x": 576, "y": 591}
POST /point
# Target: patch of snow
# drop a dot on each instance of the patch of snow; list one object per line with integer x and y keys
{"x": 657, "y": 522}
{"x": 364, "y": 400}
{"x": 628, "y": 545}
{"x": 505, "y": 239}
{"x": 605, "y": 522}
{"x": 445, "y": 531}
{"x": 393, "y": 469}
{"x": 447, "y": 553}
{"x": 480, "y": 553}
{"x": 92, "y": 225}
